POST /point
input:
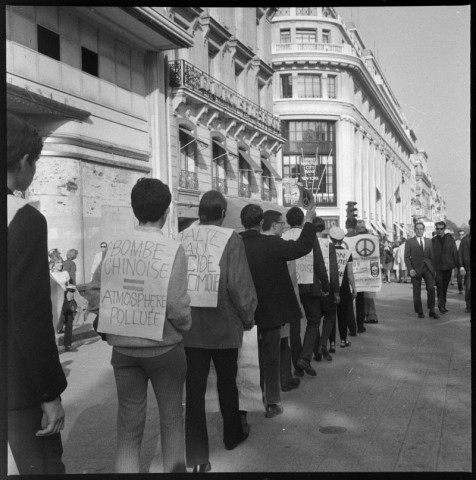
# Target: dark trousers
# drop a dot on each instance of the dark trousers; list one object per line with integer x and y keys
{"x": 459, "y": 279}
{"x": 345, "y": 317}
{"x": 33, "y": 455}
{"x": 359, "y": 310}
{"x": 269, "y": 342}
{"x": 198, "y": 367}
{"x": 430, "y": 290}
{"x": 443, "y": 278}
{"x": 467, "y": 289}
{"x": 328, "y": 313}
{"x": 286, "y": 375}
{"x": 312, "y": 309}
{"x": 295, "y": 340}
{"x": 68, "y": 329}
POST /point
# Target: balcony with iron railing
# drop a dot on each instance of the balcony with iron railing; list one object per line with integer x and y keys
{"x": 188, "y": 180}
{"x": 313, "y": 47}
{"x": 220, "y": 185}
{"x": 185, "y": 75}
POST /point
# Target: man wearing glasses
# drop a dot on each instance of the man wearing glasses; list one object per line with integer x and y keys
{"x": 445, "y": 259}
{"x": 419, "y": 262}
{"x": 98, "y": 258}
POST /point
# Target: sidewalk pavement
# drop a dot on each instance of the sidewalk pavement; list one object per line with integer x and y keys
{"x": 397, "y": 400}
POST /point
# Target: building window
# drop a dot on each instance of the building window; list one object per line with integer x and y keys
{"x": 305, "y": 35}
{"x": 326, "y": 36}
{"x": 309, "y": 86}
{"x": 308, "y": 136}
{"x": 331, "y": 86}
{"x": 266, "y": 180}
{"x": 285, "y": 36}
{"x": 48, "y": 42}
{"x": 244, "y": 186}
{"x": 89, "y": 61}
{"x": 286, "y": 86}
{"x": 188, "y": 163}
{"x": 219, "y": 167}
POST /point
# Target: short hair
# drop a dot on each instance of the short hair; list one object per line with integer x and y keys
{"x": 294, "y": 216}
{"x": 211, "y": 206}
{"x": 72, "y": 252}
{"x": 319, "y": 223}
{"x": 150, "y": 199}
{"x": 419, "y": 223}
{"x": 351, "y": 223}
{"x": 441, "y": 223}
{"x": 270, "y": 217}
{"x": 251, "y": 215}
{"x": 103, "y": 244}
{"x": 22, "y": 139}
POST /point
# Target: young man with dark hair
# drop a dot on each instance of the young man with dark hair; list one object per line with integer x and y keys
{"x": 314, "y": 294}
{"x": 221, "y": 312}
{"x": 35, "y": 376}
{"x": 445, "y": 259}
{"x": 277, "y": 304}
{"x": 156, "y": 354}
{"x": 464, "y": 255}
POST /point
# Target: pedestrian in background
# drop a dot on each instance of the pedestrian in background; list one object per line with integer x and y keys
{"x": 396, "y": 259}
{"x": 69, "y": 264}
{"x": 445, "y": 259}
{"x": 419, "y": 261}
{"x": 387, "y": 261}
{"x": 465, "y": 267}
{"x": 137, "y": 360}
{"x": 456, "y": 272}
{"x": 97, "y": 259}
{"x": 267, "y": 258}
{"x": 402, "y": 272}
{"x": 216, "y": 333}
{"x": 35, "y": 376}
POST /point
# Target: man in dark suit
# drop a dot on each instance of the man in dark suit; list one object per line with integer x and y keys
{"x": 445, "y": 259}
{"x": 419, "y": 262}
{"x": 277, "y": 303}
{"x": 35, "y": 376}
{"x": 464, "y": 254}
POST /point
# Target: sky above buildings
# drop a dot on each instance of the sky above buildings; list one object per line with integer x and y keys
{"x": 424, "y": 53}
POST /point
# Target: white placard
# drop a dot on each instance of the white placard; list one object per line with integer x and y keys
{"x": 204, "y": 246}
{"x": 134, "y": 281}
{"x": 365, "y": 262}
{"x": 342, "y": 255}
{"x": 304, "y": 265}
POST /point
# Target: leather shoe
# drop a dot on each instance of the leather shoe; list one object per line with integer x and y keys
{"x": 244, "y": 435}
{"x": 421, "y": 315}
{"x": 442, "y": 310}
{"x": 434, "y": 315}
{"x": 306, "y": 366}
{"x": 294, "y": 383}
{"x": 203, "y": 468}
{"x": 299, "y": 372}
{"x": 318, "y": 357}
{"x": 361, "y": 330}
{"x": 273, "y": 410}
{"x": 326, "y": 355}
{"x": 332, "y": 348}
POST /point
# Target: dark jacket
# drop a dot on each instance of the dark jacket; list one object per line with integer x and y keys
{"x": 465, "y": 252}
{"x": 445, "y": 254}
{"x": 35, "y": 374}
{"x": 267, "y": 258}
{"x": 222, "y": 326}
{"x": 415, "y": 258}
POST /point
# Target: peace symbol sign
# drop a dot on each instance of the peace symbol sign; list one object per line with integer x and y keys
{"x": 365, "y": 247}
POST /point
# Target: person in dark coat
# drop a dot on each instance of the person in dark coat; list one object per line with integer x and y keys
{"x": 277, "y": 303}
{"x": 419, "y": 262}
{"x": 445, "y": 259}
{"x": 464, "y": 254}
{"x": 35, "y": 376}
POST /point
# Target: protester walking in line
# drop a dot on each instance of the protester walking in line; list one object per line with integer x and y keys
{"x": 464, "y": 255}
{"x": 347, "y": 291}
{"x": 419, "y": 261}
{"x": 267, "y": 258}
{"x": 219, "y": 318}
{"x": 35, "y": 377}
{"x": 273, "y": 224}
{"x": 151, "y": 350}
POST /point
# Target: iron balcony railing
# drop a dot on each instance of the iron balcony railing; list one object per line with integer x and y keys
{"x": 188, "y": 180}
{"x": 220, "y": 185}
{"x": 184, "y": 74}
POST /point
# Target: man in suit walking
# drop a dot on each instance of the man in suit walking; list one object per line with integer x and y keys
{"x": 419, "y": 262}
{"x": 445, "y": 259}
